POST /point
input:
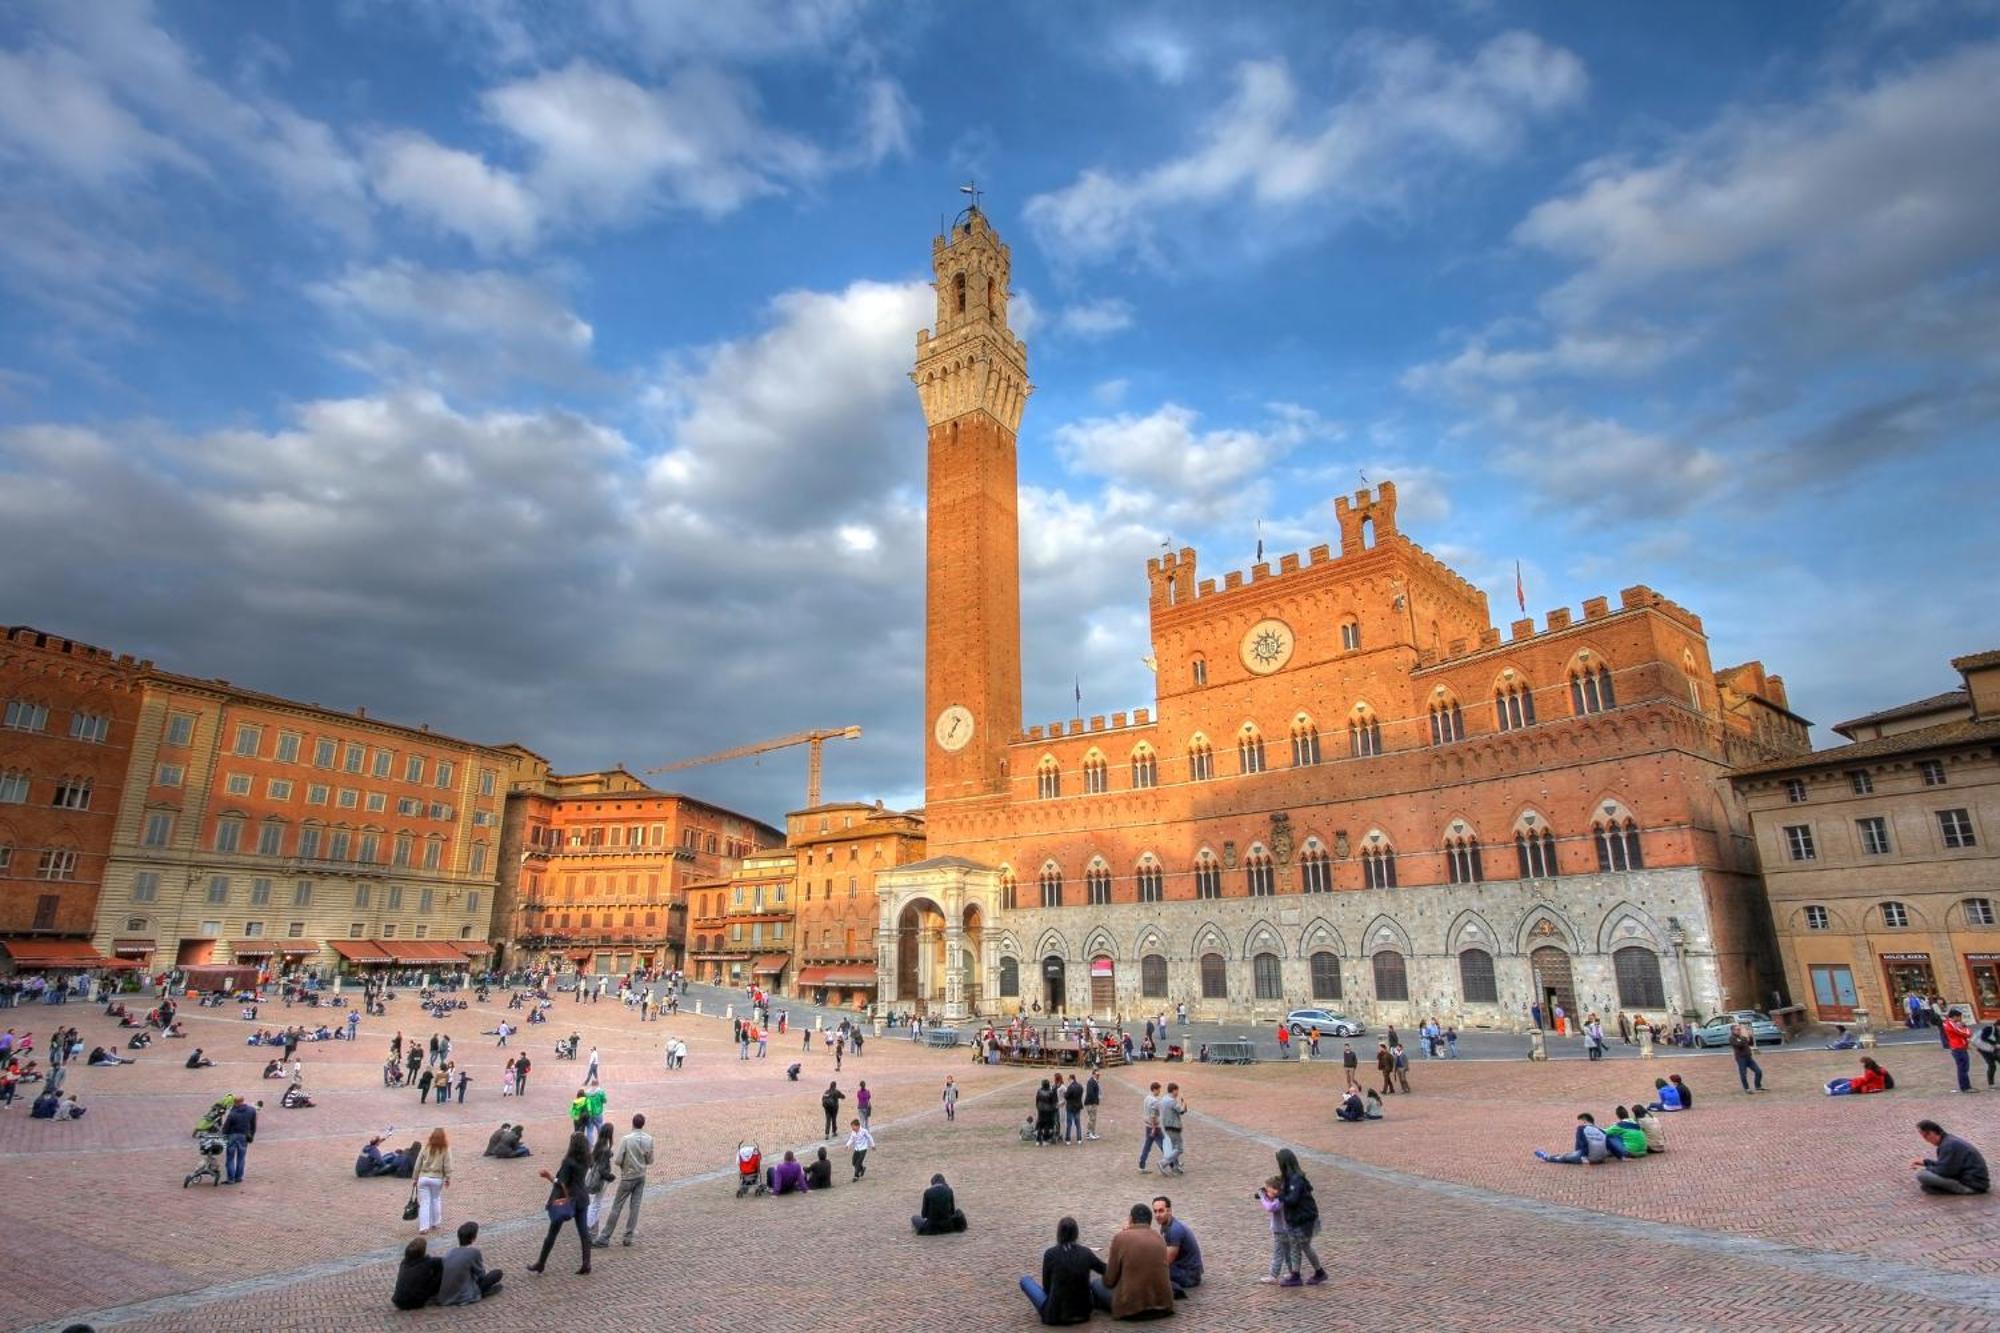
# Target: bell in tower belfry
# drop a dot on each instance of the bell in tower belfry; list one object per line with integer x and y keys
{"x": 972, "y": 378}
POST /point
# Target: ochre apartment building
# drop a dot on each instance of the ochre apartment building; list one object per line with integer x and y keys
{"x": 260, "y": 829}
{"x": 65, "y": 740}
{"x": 1879, "y": 856}
{"x": 1356, "y": 791}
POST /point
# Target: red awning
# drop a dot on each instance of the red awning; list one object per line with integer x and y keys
{"x": 771, "y": 964}
{"x": 251, "y": 948}
{"x": 134, "y": 947}
{"x": 422, "y": 951}
{"x": 837, "y": 974}
{"x": 472, "y": 948}
{"x": 362, "y": 951}
{"x": 53, "y": 953}
{"x": 291, "y": 947}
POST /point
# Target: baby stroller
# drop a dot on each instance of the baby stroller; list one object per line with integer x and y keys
{"x": 209, "y": 1144}
{"x": 749, "y": 1170}
{"x": 209, "y": 1165}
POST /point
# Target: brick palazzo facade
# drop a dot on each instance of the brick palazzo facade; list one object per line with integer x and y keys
{"x": 65, "y": 742}
{"x": 596, "y": 867}
{"x": 1357, "y": 791}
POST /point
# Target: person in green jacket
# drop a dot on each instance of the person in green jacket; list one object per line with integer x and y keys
{"x": 594, "y": 1101}
{"x": 1631, "y": 1135}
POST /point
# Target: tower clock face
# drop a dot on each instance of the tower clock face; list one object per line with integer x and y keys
{"x": 954, "y": 728}
{"x": 1267, "y": 646}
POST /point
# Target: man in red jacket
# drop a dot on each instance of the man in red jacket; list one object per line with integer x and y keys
{"x": 1956, "y": 1037}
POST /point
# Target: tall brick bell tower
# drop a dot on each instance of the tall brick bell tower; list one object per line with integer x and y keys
{"x": 972, "y": 376}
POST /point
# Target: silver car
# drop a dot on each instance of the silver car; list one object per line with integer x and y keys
{"x": 1715, "y": 1032}
{"x": 1323, "y": 1021}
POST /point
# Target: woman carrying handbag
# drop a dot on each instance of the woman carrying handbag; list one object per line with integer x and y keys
{"x": 433, "y": 1173}
{"x": 566, "y": 1196}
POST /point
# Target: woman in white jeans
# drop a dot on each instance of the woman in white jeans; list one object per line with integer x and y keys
{"x": 433, "y": 1174}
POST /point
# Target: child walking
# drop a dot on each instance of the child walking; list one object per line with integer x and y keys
{"x": 1274, "y": 1209}
{"x": 859, "y": 1140}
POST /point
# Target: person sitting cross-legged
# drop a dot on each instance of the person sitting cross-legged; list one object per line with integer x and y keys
{"x": 465, "y": 1278}
{"x": 1958, "y": 1167}
{"x": 1136, "y": 1276}
{"x": 1066, "y": 1294}
{"x": 940, "y": 1213}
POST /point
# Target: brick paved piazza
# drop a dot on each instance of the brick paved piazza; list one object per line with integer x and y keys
{"x": 1789, "y": 1210}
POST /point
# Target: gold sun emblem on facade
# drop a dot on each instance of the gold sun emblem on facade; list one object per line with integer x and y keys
{"x": 1267, "y": 646}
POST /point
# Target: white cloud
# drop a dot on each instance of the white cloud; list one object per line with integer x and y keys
{"x": 1274, "y": 150}
{"x": 470, "y": 330}
{"x": 1858, "y": 194}
{"x": 813, "y": 415}
{"x": 1163, "y": 463}
{"x": 55, "y": 109}
{"x": 1111, "y": 392}
{"x": 1096, "y": 319}
{"x": 1579, "y": 354}
{"x": 455, "y": 191}
{"x": 1600, "y": 470}
{"x": 1159, "y": 51}
{"x": 607, "y": 149}
{"x": 476, "y": 303}
{"x": 676, "y": 30}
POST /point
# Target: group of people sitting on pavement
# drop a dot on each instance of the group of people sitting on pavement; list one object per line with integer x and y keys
{"x": 1635, "y": 1133}
{"x": 1144, "y": 1272}
{"x": 1358, "y": 1105}
{"x": 460, "y": 1277}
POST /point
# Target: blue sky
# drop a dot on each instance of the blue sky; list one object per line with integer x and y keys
{"x": 539, "y": 371}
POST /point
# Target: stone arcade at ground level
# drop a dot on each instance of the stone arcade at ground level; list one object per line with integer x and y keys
{"x": 1632, "y": 941}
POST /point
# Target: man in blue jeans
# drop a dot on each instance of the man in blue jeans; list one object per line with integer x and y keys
{"x": 1155, "y": 1137}
{"x": 1743, "y": 1044}
{"x": 239, "y": 1130}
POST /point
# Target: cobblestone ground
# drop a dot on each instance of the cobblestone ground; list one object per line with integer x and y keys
{"x": 1785, "y": 1210}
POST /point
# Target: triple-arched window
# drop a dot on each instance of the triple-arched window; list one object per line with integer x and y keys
{"x": 1447, "y": 722}
{"x": 1535, "y": 848}
{"x": 1590, "y": 689}
{"x": 1305, "y": 741}
{"x": 1145, "y": 767}
{"x": 1315, "y": 870}
{"x": 1250, "y": 749}
{"x": 1378, "y": 866}
{"x": 1364, "y": 733}
{"x": 1513, "y": 705}
{"x": 1048, "y": 778}
{"x": 1096, "y": 774}
{"x": 1009, "y": 889}
{"x": 1207, "y": 875}
{"x": 1052, "y": 885}
{"x": 1151, "y": 882}
{"x": 1618, "y": 844}
{"x": 1462, "y": 861}
{"x": 1097, "y": 883}
{"x": 1259, "y": 874}
{"x": 1201, "y": 759}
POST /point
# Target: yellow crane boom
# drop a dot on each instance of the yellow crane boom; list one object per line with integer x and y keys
{"x": 811, "y": 739}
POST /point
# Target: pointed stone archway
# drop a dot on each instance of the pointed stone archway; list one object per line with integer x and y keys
{"x": 931, "y": 943}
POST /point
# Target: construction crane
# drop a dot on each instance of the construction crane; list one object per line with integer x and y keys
{"x": 811, "y": 739}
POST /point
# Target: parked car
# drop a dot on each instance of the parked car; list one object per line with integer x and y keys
{"x": 1715, "y": 1032}
{"x": 1323, "y": 1021}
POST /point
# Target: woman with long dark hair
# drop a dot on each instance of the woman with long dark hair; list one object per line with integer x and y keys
{"x": 566, "y": 1203}
{"x": 1295, "y": 1198}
